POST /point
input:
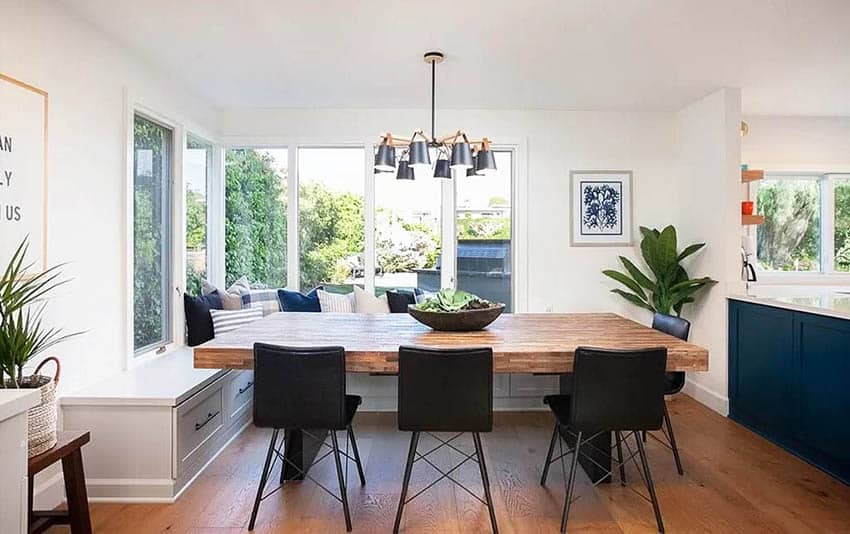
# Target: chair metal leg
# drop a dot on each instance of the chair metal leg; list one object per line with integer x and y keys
{"x": 643, "y": 434}
{"x": 673, "y": 441}
{"x": 342, "y": 489}
{"x": 619, "y": 437}
{"x": 356, "y": 456}
{"x": 570, "y": 484}
{"x": 408, "y": 468}
{"x": 649, "y": 484}
{"x": 485, "y": 480}
{"x": 549, "y": 455}
{"x": 263, "y": 479}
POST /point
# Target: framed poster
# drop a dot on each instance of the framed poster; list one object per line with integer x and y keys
{"x": 23, "y": 170}
{"x": 601, "y": 208}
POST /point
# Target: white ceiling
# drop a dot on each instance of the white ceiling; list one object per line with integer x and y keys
{"x": 789, "y": 57}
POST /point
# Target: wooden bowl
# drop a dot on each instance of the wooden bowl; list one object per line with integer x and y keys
{"x": 461, "y": 321}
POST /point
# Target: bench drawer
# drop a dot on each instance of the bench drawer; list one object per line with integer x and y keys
{"x": 198, "y": 420}
{"x": 239, "y": 394}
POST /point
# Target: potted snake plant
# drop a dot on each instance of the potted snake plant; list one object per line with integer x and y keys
{"x": 24, "y": 336}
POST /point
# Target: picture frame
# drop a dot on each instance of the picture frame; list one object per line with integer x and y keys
{"x": 601, "y": 208}
{"x": 23, "y": 169}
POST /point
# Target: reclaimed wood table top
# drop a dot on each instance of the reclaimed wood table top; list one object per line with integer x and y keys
{"x": 522, "y": 343}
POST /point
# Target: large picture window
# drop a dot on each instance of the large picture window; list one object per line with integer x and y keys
{"x": 197, "y": 171}
{"x": 152, "y": 162}
{"x": 407, "y": 233}
{"x": 484, "y": 232}
{"x": 806, "y": 223}
{"x": 331, "y": 185}
{"x": 255, "y": 215}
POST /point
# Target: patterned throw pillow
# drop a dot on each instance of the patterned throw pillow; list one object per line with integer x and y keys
{"x": 231, "y": 298}
{"x": 367, "y": 303}
{"x": 336, "y": 302}
{"x": 228, "y": 320}
{"x": 264, "y": 299}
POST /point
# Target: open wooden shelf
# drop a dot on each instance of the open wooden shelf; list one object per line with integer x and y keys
{"x": 752, "y": 219}
{"x": 751, "y": 176}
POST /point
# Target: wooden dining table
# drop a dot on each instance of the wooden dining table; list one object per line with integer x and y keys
{"x": 521, "y": 343}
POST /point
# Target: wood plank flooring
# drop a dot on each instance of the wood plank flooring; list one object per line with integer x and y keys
{"x": 734, "y": 482}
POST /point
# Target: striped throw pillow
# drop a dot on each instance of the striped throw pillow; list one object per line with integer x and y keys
{"x": 335, "y": 302}
{"x": 228, "y": 320}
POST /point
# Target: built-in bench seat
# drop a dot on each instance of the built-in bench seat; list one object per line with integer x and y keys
{"x": 155, "y": 427}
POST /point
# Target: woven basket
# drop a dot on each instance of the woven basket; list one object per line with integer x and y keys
{"x": 41, "y": 419}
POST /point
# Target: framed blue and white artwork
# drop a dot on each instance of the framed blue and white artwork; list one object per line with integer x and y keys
{"x": 601, "y": 208}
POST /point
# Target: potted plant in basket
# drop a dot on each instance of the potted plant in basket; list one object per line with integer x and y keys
{"x": 23, "y": 337}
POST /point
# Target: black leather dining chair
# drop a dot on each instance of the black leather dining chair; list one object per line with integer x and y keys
{"x": 445, "y": 391}
{"x": 680, "y": 328}
{"x": 619, "y": 391}
{"x": 304, "y": 388}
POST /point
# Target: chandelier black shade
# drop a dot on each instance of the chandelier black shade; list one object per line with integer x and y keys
{"x": 419, "y": 156}
{"x": 456, "y": 147}
{"x": 485, "y": 162}
{"x": 405, "y": 171}
{"x": 442, "y": 169}
{"x": 385, "y": 158}
{"x": 461, "y": 156}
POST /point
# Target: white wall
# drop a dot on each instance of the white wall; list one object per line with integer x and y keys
{"x": 559, "y": 277}
{"x": 709, "y": 152}
{"x": 797, "y": 143}
{"x": 86, "y": 74}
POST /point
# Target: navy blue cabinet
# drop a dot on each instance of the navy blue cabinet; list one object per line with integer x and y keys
{"x": 789, "y": 380}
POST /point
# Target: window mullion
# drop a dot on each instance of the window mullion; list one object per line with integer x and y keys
{"x": 827, "y": 215}
{"x": 293, "y": 270}
{"x": 369, "y": 259}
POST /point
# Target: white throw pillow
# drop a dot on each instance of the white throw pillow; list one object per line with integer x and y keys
{"x": 228, "y": 320}
{"x": 335, "y": 302}
{"x": 367, "y": 303}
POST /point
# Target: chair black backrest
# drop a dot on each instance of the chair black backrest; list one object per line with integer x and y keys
{"x": 674, "y": 326}
{"x": 447, "y": 390}
{"x": 618, "y": 389}
{"x": 299, "y": 387}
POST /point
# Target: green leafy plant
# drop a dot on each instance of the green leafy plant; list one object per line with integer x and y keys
{"x": 23, "y": 335}
{"x": 454, "y": 300}
{"x": 669, "y": 287}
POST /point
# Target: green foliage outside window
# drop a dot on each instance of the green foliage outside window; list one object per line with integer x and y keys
{"x": 150, "y": 231}
{"x": 842, "y": 225}
{"x": 789, "y": 239}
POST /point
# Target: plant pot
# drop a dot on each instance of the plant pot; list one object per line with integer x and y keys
{"x": 460, "y": 321}
{"x": 41, "y": 419}
{"x": 747, "y": 207}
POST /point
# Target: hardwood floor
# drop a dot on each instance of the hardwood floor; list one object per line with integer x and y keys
{"x": 734, "y": 482}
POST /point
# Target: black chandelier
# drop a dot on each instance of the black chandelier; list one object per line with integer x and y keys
{"x": 454, "y": 151}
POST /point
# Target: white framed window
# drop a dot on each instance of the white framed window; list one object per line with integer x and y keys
{"x": 807, "y": 223}
{"x": 152, "y": 207}
{"x": 198, "y": 165}
{"x": 345, "y": 225}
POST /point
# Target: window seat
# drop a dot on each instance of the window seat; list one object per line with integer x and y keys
{"x": 155, "y": 427}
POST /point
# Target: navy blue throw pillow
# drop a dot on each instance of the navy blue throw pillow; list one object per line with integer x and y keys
{"x": 399, "y": 299}
{"x": 293, "y": 301}
{"x": 199, "y": 326}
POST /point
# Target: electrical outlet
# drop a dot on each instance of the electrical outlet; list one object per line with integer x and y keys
{"x": 548, "y": 308}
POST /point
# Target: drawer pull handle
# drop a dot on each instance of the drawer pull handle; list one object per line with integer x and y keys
{"x": 209, "y": 418}
{"x": 248, "y": 386}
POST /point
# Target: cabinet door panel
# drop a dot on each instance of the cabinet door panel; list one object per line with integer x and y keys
{"x": 763, "y": 354}
{"x": 824, "y": 384}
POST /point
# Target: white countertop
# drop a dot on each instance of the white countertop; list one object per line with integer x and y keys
{"x": 167, "y": 380}
{"x": 15, "y": 401}
{"x": 832, "y": 304}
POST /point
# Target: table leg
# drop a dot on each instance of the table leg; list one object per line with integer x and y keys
{"x": 595, "y": 463}
{"x": 301, "y": 450}
{"x": 75, "y": 490}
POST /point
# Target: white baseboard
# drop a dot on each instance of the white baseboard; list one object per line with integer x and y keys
{"x": 717, "y": 402}
{"x": 500, "y": 404}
